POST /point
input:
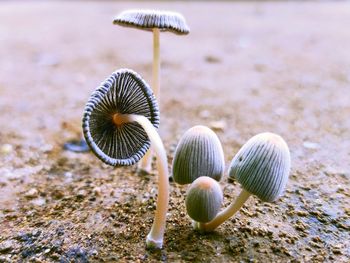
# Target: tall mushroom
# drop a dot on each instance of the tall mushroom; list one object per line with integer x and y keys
{"x": 119, "y": 123}
{"x": 155, "y": 21}
{"x": 262, "y": 168}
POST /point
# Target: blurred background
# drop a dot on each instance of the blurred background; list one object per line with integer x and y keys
{"x": 246, "y": 67}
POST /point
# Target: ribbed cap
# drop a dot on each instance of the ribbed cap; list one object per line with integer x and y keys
{"x": 149, "y": 19}
{"x": 199, "y": 153}
{"x": 262, "y": 166}
{"x": 204, "y": 199}
{"x": 123, "y": 92}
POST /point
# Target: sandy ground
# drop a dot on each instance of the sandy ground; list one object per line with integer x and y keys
{"x": 245, "y": 68}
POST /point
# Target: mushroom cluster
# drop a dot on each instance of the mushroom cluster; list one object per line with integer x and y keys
{"x": 120, "y": 124}
{"x": 199, "y": 161}
{"x": 262, "y": 168}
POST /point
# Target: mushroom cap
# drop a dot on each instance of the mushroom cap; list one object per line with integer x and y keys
{"x": 198, "y": 153}
{"x": 204, "y": 199}
{"x": 149, "y": 19}
{"x": 124, "y": 92}
{"x": 262, "y": 166}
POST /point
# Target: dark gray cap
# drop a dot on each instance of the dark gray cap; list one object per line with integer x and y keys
{"x": 149, "y": 19}
{"x": 262, "y": 166}
{"x": 123, "y": 92}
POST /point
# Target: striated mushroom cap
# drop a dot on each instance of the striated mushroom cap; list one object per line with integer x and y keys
{"x": 199, "y": 153}
{"x": 262, "y": 166}
{"x": 149, "y": 19}
{"x": 204, "y": 199}
{"x": 123, "y": 92}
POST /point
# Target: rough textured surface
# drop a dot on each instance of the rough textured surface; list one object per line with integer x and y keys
{"x": 255, "y": 67}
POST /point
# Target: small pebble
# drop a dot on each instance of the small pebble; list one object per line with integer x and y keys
{"x": 97, "y": 191}
{"x": 217, "y": 126}
{"x": 314, "y": 244}
{"x": 302, "y": 213}
{"x": 212, "y": 59}
{"x": 318, "y": 258}
{"x": 6, "y": 246}
{"x": 46, "y": 148}
{"x": 299, "y": 225}
{"x": 317, "y": 239}
{"x": 31, "y": 193}
{"x": 57, "y": 194}
{"x": 81, "y": 194}
{"x": 39, "y": 201}
{"x": 311, "y": 145}
{"x": 336, "y": 251}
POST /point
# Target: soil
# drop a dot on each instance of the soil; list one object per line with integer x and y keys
{"x": 245, "y": 68}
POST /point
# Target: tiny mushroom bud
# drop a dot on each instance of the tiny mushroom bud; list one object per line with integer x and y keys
{"x": 155, "y": 21}
{"x": 199, "y": 153}
{"x": 204, "y": 199}
{"x": 262, "y": 168}
{"x": 119, "y": 124}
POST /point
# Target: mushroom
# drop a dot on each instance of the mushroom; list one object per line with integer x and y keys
{"x": 155, "y": 21}
{"x": 262, "y": 168}
{"x": 199, "y": 153}
{"x": 204, "y": 199}
{"x": 119, "y": 123}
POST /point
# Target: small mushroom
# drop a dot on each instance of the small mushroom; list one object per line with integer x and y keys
{"x": 262, "y": 168}
{"x": 155, "y": 21}
{"x": 119, "y": 123}
{"x": 199, "y": 153}
{"x": 204, "y": 199}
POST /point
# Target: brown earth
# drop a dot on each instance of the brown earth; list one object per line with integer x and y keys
{"x": 245, "y": 68}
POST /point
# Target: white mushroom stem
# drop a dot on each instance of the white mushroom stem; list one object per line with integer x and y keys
{"x": 155, "y": 236}
{"x": 226, "y": 213}
{"x": 156, "y": 64}
{"x": 146, "y": 162}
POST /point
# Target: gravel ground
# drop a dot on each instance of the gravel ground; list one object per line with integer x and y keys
{"x": 245, "y": 68}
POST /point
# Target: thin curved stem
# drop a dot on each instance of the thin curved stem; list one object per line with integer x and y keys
{"x": 146, "y": 162}
{"x": 226, "y": 213}
{"x": 155, "y": 236}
